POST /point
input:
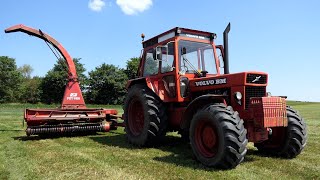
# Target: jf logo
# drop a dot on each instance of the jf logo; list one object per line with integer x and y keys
{"x": 73, "y": 96}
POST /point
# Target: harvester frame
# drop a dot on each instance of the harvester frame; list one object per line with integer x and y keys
{"x": 72, "y": 116}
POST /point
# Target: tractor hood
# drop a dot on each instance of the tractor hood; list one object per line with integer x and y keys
{"x": 229, "y": 80}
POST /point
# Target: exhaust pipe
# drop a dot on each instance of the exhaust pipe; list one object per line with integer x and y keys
{"x": 226, "y": 49}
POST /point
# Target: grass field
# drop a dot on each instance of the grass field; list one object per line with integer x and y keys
{"x": 109, "y": 156}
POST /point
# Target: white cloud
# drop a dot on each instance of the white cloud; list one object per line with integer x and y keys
{"x": 131, "y": 7}
{"x": 96, "y": 5}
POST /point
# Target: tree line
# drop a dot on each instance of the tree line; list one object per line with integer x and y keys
{"x": 103, "y": 85}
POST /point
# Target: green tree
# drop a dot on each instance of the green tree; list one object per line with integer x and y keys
{"x": 132, "y": 67}
{"x": 54, "y": 82}
{"x": 10, "y": 79}
{"x": 31, "y": 90}
{"x": 107, "y": 85}
{"x": 26, "y": 71}
{"x": 30, "y": 86}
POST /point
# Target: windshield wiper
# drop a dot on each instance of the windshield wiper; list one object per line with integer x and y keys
{"x": 192, "y": 67}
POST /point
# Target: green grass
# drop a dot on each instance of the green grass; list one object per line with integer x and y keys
{"x": 109, "y": 156}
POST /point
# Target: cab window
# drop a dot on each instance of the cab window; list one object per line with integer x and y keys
{"x": 196, "y": 56}
{"x": 151, "y": 66}
{"x": 168, "y": 59}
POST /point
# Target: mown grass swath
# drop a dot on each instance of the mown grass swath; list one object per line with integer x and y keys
{"x": 109, "y": 156}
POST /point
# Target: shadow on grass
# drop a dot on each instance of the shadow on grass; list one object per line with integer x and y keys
{"x": 51, "y": 136}
{"x": 263, "y": 154}
{"x": 113, "y": 138}
{"x": 11, "y": 130}
{"x": 180, "y": 151}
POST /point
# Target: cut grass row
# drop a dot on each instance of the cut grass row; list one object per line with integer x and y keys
{"x": 109, "y": 156}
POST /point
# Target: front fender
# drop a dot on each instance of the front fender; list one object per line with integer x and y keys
{"x": 199, "y": 103}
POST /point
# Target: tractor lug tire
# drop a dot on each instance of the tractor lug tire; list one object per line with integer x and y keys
{"x": 218, "y": 137}
{"x": 144, "y": 116}
{"x": 293, "y": 140}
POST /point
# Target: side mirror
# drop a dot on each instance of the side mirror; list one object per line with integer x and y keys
{"x": 159, "y": 52}
{"x": 184, "y": 51}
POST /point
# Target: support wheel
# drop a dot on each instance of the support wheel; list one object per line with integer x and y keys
{"x": 144, "y": 116}
{"x": 218, "y": 137}
{"x": 286, "y": 142}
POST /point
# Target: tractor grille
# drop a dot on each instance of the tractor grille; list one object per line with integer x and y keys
{"x": 254, "y": 91}
{"x": 254, "y": 79}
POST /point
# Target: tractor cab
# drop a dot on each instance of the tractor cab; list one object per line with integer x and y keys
{"x": 171, "y": 59}
{"x": 186, "y": 51}
{"x": 194, "y": 58}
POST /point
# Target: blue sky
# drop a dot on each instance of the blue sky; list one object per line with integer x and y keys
{"x": 278, "y": 37}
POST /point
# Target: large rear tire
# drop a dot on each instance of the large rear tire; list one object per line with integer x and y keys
{"x": 144, "y": 116}
{"x": 218, "y": 137}
{"x": 286, "y": 142}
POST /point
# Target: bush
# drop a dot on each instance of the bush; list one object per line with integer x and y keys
{"x": 107, "y": 85}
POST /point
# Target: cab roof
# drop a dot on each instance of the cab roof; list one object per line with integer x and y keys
{"x": 178, "y": 31}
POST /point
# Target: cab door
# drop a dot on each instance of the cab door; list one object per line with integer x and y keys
{"x": 159, "y": 72}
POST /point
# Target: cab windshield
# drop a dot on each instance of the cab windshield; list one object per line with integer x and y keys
{"x": 196, "y": 56}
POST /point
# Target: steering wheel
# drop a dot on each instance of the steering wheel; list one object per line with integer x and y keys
{"x": 184, "y": 68}
{"x": 183, "y": 65}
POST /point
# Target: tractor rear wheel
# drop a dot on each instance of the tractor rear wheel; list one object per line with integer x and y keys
{"x": 218, "y": 137}
{"x": 287, "y": 142}
{"x": 144, "y": 116}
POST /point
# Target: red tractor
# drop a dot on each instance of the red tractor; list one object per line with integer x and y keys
{"x": 184, "y": 85}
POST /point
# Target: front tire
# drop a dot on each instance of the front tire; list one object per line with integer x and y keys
{"x": 144, "y": 116}
{"x": 218, "y": 137}
{"x": 287, "y": 142}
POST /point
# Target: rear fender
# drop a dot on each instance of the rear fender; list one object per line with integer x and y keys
{"x": 199, "y": 103}
{"x": 132, "y": 82}
{"x": 143, "y": 80}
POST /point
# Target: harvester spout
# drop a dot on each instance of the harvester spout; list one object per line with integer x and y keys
{"x": 72, "y": 98}
{"x": 39, "y": 34}
{"x": 226, "y": 49}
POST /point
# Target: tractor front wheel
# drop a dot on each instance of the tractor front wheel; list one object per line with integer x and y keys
{"x": 144, "y": 116}
{"x": 287, "y": 142}
{"x": 218, "y": 137}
